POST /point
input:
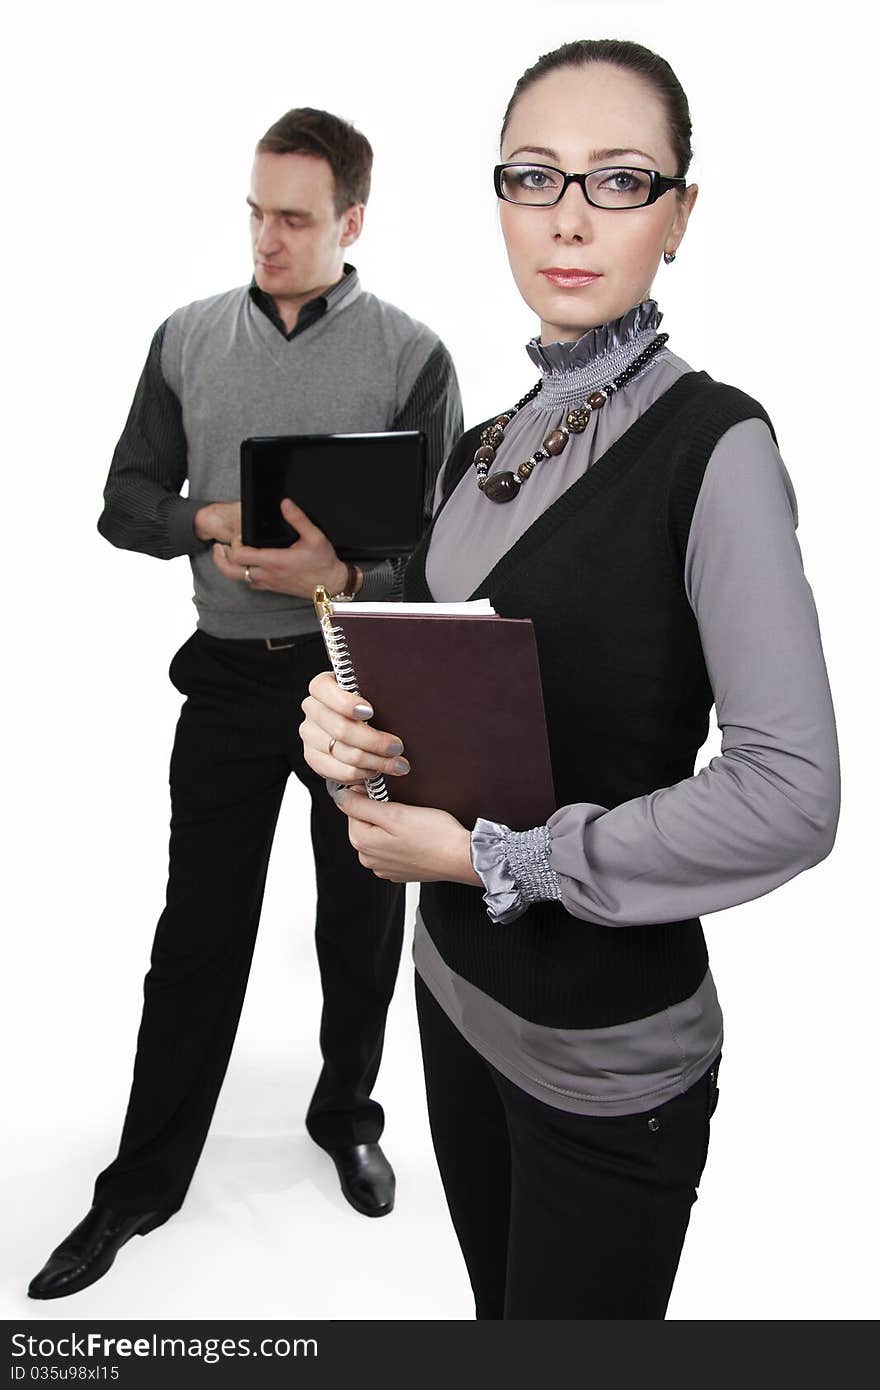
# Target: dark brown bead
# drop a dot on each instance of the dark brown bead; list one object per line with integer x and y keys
{"x": 526, "y": 469}
{"x": 502, "y": 421}
{"x": 556, "y": 442}
{"x": 501, "y": 487}
{"x": 576, "y": 421}
{"x": 597, "y": 400}
{"x": 484, "y": 454}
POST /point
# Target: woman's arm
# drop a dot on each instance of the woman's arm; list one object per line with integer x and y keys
{"x": 766, "y": 808}
{"x": 754, "y": 817}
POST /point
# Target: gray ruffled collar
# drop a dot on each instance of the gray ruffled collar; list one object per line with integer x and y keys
{"x": 613, "y": 339}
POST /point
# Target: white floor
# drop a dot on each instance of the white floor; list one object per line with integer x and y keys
{"x": 265, "y": 1231}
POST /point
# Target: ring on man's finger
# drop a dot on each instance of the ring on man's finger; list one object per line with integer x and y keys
{"x": 247, "y": 575}
{"x": 331, "y": 746}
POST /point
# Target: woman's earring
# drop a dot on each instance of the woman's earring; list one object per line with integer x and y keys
{"x": 668, "y": 257}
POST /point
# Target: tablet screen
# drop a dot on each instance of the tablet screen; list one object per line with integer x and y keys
{"x": 366, "y": 492}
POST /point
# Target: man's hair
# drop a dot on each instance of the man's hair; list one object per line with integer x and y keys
{"x": 349, "y": 154}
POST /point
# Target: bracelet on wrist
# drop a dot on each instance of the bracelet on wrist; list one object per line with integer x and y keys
{"x": 349, "y": 589}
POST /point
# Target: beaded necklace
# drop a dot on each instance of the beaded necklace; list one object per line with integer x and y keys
{"x": 504, "y": 487}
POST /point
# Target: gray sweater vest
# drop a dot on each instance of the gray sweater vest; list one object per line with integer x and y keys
{"x": 236, "y": 376}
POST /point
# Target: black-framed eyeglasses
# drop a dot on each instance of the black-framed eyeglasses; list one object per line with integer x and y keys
{"x": 619, "y": 186}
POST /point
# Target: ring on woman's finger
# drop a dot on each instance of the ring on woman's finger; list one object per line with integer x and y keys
{"x": 247, "y": 575}
{"x": 331, "y": 746}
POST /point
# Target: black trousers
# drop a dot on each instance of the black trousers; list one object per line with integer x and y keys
{"x": 560, "y": 1215}
{"x": 237, "y": 741}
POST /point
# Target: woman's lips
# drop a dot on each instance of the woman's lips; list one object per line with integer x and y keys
{"x": 570, "y": 279}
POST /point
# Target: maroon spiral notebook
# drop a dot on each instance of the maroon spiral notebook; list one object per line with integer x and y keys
{"x": 463, "y": 692}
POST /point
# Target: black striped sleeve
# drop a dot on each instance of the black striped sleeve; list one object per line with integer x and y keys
{"x": 143, "y": 509}
{"x": 434, "y": 407}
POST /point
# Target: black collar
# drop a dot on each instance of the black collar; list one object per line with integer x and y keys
{"x": 310, "y": 312}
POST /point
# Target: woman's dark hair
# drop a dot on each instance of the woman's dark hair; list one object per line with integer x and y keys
{"x": 349, "y": 154}
{"x": 632, "y": 57}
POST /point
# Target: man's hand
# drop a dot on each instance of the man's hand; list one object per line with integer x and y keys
{"x": 218, "y": 521}
{"x": 297, "y": 569}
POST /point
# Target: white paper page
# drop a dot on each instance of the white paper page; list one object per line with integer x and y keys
{"x": 471, "y": 608}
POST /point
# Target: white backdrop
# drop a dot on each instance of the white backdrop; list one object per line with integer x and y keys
{"x": 127, "y": 143}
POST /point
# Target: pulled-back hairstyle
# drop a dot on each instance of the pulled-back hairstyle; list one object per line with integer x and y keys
{"x": 306, "y": 130}
{"x": 632, "y": 57}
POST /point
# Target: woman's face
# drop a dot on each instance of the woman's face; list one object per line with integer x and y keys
{"x": 580, "y": 119}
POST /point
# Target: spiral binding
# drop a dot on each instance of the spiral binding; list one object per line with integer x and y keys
{"x": 343, "y": 669}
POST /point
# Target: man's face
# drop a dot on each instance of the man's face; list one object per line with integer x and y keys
{"x": 298, "y": 240}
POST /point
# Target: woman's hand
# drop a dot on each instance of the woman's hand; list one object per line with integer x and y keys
{"x": 408, "y": 844}
{"x": 404, "y": 844}
{"x": 359, "y": 751}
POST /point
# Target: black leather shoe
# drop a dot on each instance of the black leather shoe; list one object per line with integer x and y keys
{"x": 89, "y": 1251}
{"x": 366, "y": 1178}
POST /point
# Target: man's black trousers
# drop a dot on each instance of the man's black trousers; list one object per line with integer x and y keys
{"x": 237, "y": 741}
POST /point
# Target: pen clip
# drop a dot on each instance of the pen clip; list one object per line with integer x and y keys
{"x": 323, "y": 605}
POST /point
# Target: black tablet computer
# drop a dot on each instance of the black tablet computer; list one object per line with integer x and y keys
{"x": 366, "y": 492}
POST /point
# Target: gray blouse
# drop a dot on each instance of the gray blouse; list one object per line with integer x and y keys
{"x": 755, "y": 816}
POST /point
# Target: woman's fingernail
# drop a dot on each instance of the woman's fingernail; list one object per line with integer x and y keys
{"x": 394, "y": 747}
{"x": 363, "y": 711}
{"x": 401, "y": 766}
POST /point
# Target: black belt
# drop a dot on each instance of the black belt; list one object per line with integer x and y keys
{"x": 272, "y": 644}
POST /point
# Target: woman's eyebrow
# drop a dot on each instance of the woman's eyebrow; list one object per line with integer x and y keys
{"x": 592, "y": 157}
{"x": 615, "y": 154}
{"x": 533, "y": 149}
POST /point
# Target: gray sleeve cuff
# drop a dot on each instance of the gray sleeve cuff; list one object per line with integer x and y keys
{"x": 515, "y": 868}
{"x": 382, "y": 580}
{"x": 377, "y": 580}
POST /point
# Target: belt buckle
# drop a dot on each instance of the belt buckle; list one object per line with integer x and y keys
{"x": 278, "y": 644}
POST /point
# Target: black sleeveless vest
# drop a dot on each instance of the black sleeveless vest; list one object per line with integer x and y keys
{"x": 627, "y": 699}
